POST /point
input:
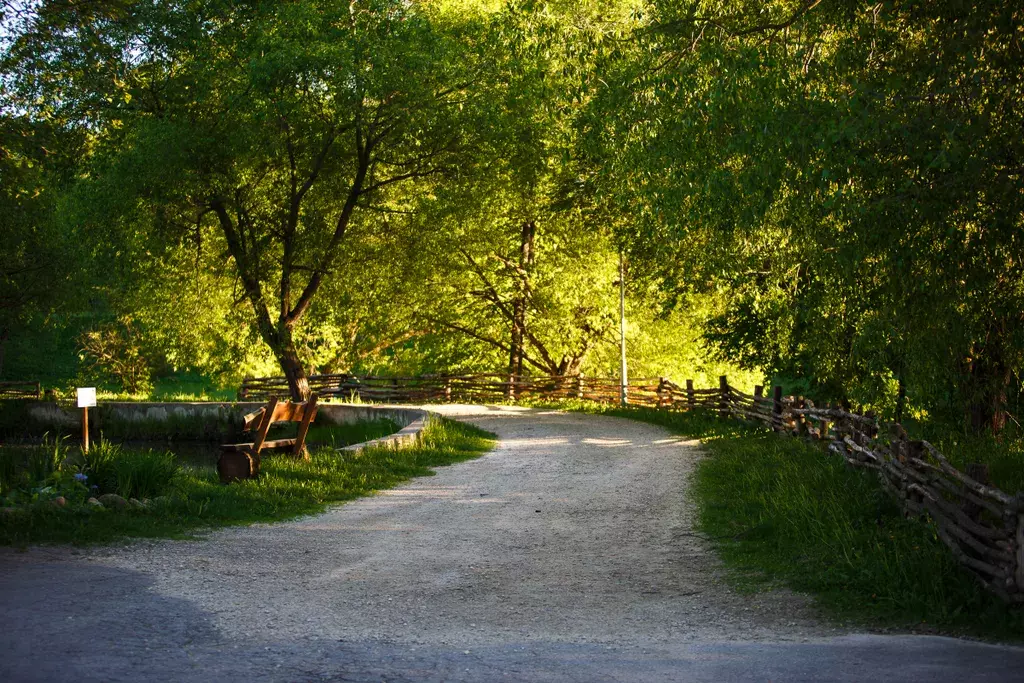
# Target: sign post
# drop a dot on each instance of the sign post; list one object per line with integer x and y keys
{"x": 86, "y": 400}
{"x": 623, "y": 378}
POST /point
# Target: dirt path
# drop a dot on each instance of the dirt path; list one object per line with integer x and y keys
{"x": 565, "y": 554}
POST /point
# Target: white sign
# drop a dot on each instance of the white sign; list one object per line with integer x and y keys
{"x": 86, "y": 397}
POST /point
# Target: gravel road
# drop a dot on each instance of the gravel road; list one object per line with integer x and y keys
{"x": 566, "y": 554}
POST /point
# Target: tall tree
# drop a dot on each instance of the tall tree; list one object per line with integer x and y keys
{"x": 277, "y": 124}
{"x": 847, "y": 172}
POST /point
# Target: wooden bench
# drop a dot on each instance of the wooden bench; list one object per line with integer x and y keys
{"x": 242, "y": 460}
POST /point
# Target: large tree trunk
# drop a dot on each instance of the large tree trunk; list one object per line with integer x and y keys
{"x": 294, "y": 372}
{"x": 989, "y": 380}
{"x": 282, "y": 344}
{"x": 526, "y": 259}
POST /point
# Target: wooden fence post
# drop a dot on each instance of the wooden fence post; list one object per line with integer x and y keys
{"x": 776, "y": 408}
{"x": 979, "y": 473}
{"x": 690, "y": 398}
{"x": 512, "y": 388}
{"x": 662, "y": 399}
{"x": 448, "y": 390}
{"x": 579, "y": 386}
{"x": 723, "y": 399}
{"x": 758, "y": 391}
{"x": 797, "y": 419}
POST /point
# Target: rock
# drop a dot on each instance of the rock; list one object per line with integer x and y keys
{"x": 112, "y": 500}
{"x": 93, "y": 503}
{"x": 136, "y": 504}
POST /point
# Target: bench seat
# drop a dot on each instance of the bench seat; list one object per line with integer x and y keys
{"x": 276, "y": 444}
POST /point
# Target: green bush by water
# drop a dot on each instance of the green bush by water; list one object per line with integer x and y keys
{"x": 25, "y": 467}
{"x": 130, "y": 473}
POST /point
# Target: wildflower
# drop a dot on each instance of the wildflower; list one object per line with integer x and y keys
{"x": 81, "y": 477}
{"x": 95, "y": 487}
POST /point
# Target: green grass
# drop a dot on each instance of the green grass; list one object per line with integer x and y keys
{"x": 129, "y": 473}
{"x": 195, "y": 501}
{"x": 784, "y": 512}
{"x": 1004, "y": 454}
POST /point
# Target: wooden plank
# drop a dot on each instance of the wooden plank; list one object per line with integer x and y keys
{"x": 308, "y": 415}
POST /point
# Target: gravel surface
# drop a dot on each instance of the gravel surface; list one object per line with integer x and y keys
{"x": 567, "y": 553}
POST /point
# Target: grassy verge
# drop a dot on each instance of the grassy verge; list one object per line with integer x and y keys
{"x": 781, "y": 511}
{"x": 193, "y": 500}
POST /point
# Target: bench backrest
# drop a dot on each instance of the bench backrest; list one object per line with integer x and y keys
{"x": 278, "y": 411}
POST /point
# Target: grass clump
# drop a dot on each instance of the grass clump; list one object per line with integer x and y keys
{"x": 196, "y": 500}
{"x": 25, "y": 467}
{"x": 131, "y": 473}
{"x": 782, "y": 511}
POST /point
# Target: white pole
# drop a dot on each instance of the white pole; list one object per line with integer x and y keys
{"x": 623, "y": 379}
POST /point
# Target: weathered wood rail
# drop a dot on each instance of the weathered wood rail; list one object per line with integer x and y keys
{"x": 454, "y": 388}
{"x": 982, "y": 525}
{"x": 20, "y": 390}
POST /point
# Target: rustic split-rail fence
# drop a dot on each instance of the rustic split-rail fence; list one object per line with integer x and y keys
{"x": 20, "y": 390}
{"x": 982, "y": 525}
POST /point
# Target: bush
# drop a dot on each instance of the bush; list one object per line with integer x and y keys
{"x": 28, "y": 466}
{"x": 132, "y": 473}
{"x": 114, "y": 353}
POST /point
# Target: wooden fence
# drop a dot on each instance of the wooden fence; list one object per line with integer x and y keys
{"x": 454, "y": 388}
{"x": 19, "y": 390}
{"x": 982, "y": 525}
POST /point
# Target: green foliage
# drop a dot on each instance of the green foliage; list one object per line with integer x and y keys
{"x": 130, "y": 473}
{"x": 286, "y": 489}
{"x": 1002, "y": 454}
{"x": 30, "y": 466}
{"x": 843, "y": 173}
{"x": 113, "y": 352}
{"x": 824, "y": 193}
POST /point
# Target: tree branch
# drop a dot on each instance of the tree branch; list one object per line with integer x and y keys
{"x": 488, "y": 340}
{"x": 327, "y": 260}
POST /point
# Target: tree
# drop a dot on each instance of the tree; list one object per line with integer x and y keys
{"x": 37, "y": 261}
{"x": 278, "y": 126}
{"x": 847, "y": 173}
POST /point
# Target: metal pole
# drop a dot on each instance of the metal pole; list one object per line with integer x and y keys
{"x": 623, "y": 379}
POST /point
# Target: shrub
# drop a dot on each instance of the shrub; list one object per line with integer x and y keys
{"x": 114, "y": 352}
{"x": 27, "y": 466}
{"x": 130, "y": 473}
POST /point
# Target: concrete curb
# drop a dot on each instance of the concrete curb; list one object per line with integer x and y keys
{"x": 408, "y": 436}
{"x": 412, "y": 421}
